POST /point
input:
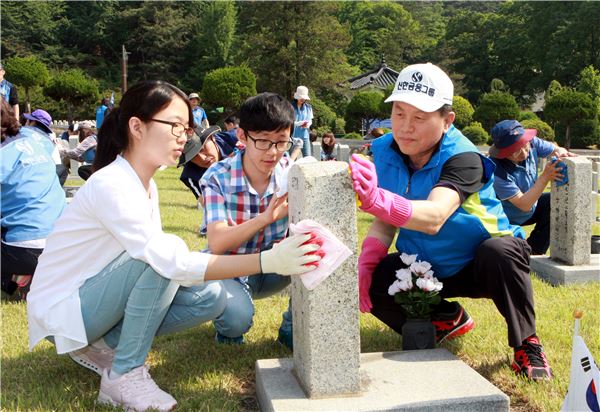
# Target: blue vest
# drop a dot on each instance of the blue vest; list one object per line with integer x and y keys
{"x": 478, "y": 218}
{"x": 5, "y": 87}
{"x": 32, "y": 198}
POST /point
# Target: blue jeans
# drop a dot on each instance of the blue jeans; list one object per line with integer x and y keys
{"x": 239, "y": 311}
{"x": 128, "y": 303}
{"x": 307, "y": 148}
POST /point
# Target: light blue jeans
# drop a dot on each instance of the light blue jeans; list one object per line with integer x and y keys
{"x": 128, "y": 303}
{"x": 239, "y": 311}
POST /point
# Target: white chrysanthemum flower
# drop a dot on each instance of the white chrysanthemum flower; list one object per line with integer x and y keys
{"x": 405, "y": 284}
{"x": 394, "y": 288}
{"x": 429, "y": 284}
{"x": 408, "y": 259}
{"x": 403, "y": 274}
{"x": 420, "y": 268}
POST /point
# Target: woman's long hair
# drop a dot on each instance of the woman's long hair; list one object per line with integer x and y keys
{"x": 10, "y": 124}
{"x": 143, "y": 101}
{"x": 328, "y": 148}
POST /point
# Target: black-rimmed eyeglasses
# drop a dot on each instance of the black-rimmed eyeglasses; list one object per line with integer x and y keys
{"x": 264, "y": 144}
{"x": 177, "y": 129}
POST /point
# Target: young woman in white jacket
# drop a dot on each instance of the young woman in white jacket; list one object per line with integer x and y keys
{"x": 110, "y": 279}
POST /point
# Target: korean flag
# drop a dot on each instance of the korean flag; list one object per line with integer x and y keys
{"x": 584, "y": 388}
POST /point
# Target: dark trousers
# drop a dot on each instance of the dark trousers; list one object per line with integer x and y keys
{"x": 539, "y": 239}
{"x": 17, "y": 261}
{"x": 500, "y": 271}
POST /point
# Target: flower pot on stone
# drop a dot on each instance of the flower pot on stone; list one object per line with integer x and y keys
{"x": 418, "y": 334}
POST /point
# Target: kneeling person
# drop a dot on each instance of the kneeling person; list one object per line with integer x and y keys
{"x": 243, "y": 213}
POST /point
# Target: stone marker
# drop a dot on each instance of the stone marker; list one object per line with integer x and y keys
{"x": 325, "y": 327}
{"x": 570, "y": 259}
{"x": 343, "y": 153}
{"x": 316, "y": 150}
{"x": 328, "y": 373}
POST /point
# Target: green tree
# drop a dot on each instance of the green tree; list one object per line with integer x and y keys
{"x": 74, "y": 87}
{"x": 464, "y": 111}
{"x": 571, "y": 29}
{"x": 324, "y": 116}
{"x": 33, "y": 28}
{"x": 553, "y": 88}
{"x": 566, "y": 108}
{"x": 495, "y": 106}
{"x": 476, "y": 133}
{"x": 363, "y": 108}
{"x": 229, "y": 87}
{"x": 211, "y": 42}
{"x": 589, "y": 83}
{"x": 381, "y": 27}
{"x": 27, "y": 72}
{"x": 287, "y": 44}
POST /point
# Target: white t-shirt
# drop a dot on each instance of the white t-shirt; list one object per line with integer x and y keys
{"x": 112, "y": 213}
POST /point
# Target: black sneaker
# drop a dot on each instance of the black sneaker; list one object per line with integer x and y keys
{"x": 530, "y": 360}
{"x": 451, "y": 325}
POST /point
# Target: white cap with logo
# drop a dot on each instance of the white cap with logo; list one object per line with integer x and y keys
{"x": 424, "y": 86}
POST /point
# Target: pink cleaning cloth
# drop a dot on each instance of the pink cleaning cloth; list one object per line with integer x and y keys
{"x": 335, "y": 252}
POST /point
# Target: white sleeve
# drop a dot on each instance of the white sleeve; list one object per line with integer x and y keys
{"x": 128, "y": 216}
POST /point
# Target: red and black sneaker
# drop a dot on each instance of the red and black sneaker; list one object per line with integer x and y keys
{"x": 530, "y": 360}
{"x": 453, "y": 324}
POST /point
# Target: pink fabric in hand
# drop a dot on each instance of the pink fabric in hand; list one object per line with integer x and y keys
{"x": 334, "y": 252}
{"x": 384, "y": 205}
{"x": 373, "y": 251}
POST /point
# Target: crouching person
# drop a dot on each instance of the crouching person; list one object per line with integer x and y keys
{"x": 110, "y": 279}
{"x": 431, "y": 185}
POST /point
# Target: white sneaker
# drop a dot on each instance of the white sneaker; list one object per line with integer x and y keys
{"x": 134, "y": 391}
{"x": 94, "y": 358}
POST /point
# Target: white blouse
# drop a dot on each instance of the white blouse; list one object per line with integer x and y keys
{"x": 110, "y": 214}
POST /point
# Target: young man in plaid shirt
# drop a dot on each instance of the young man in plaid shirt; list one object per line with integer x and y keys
{"x": 244, "y": 215}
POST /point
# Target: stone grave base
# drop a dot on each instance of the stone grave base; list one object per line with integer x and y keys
{"x": 431, "y": 380}
{"x": 560, "y": 274}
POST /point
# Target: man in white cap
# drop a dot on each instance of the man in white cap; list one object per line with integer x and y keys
{"x": 432, "y": 183}
{"x": 200, "y": 119}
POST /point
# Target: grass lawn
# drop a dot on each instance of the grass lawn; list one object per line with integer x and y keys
{"x": 205, "y": 377}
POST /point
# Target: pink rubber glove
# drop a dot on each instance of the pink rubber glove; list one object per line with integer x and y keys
{"x": 373, "y": 251}
{"x": 384, "y": 205}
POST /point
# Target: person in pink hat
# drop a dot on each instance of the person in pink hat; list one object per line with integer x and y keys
{"x": 517, "y": 152}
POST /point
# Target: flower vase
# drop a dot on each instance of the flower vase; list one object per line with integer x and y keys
{"x": 418, "y": 334}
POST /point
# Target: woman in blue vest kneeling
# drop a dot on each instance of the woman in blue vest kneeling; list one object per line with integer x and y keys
{"x": 431, "y": 184}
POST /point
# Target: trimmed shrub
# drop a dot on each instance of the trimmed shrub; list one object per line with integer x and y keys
{"x": 228, "y": 87}
{"x": 464, "y": 111}
{"x": 543, "y": 129}
{"x": 353, "y": 136}
{"x": 494, "y": 107}
{"x": 324, "y": 116}
{"x": 527, "y": 115}
{"x": 476, "y": 133}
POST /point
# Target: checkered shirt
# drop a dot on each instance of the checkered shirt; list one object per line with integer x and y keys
{"x": 228, "y": 196}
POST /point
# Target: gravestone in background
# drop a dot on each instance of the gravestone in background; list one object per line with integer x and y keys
{"x": 570, "y": 258}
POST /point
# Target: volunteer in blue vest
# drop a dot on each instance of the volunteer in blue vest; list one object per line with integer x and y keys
{"x": 516, "y": 152}
{"x": 431, "y": 185}
{"x": 102, "y": 111}
{"x": 31, "y": 199}
{"x": 8, "y": 91}
{"x": 303, "y": 121}
{"x": 200, "y": 119}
